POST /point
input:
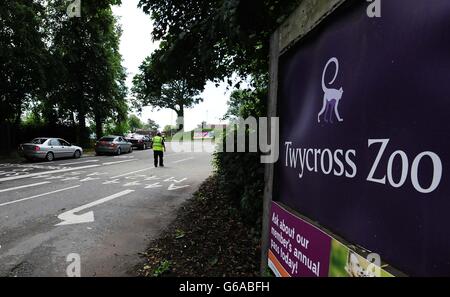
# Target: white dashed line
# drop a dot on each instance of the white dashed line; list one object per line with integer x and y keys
{"x": 23, "y": 187}
{"x": 37, "y": 196}
{"x": 76, "y": 163}
{"x": 118, "y": 162}
{"x": 46, "y": 173}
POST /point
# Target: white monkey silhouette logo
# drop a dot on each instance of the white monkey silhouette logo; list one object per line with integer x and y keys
{"x": 331, "y": 97}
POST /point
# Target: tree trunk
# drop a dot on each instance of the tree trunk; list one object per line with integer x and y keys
{"x": 180, "y": 118}
{"x": 98, "y": 126}
{"x": 82, "y": 130}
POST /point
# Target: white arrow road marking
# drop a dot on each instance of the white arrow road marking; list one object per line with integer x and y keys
{"x": 37, "y": 196}
{"x": 152, "y": 186}
{"x": 172, "y": 187}
{"x": 23, "y": 187}
{"x": 172, "y": 179}
{"x": 132, "y": 184}
{"x": 70, "y": 217}
{"x": 46, "y": 173}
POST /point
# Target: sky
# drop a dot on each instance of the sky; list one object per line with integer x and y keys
{"x": 136, "y": 44}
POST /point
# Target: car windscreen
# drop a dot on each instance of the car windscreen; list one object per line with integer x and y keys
{"x": 107, "y": 139}
{"x": 39, "y": 140}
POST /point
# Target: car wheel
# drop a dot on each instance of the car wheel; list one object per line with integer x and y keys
{"x": 77, "y": 154}
{"x": 119, "y": 151}
{"x": 50, "y": 157}
{"x": 131, "y": 150}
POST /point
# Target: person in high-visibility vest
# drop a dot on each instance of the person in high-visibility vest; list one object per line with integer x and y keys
{"x": 158, "y": 147}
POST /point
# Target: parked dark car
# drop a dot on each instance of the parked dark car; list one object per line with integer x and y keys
{"x": 113, "y": 145}
{"x": 141, "y": 142}
{"x": 46, "y": 148}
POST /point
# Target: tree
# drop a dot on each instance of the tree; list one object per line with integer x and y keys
{"x": 134, "y": 123}
{"x": 23, "y": 57}
{"x": 151, "y": 125}
{"x": 175, "y": 95}
{"x": 91, "y": 82}
{"x": 203, "y": 40}
{"x": 212, "y": 39}
{"x": 169, "y": 129}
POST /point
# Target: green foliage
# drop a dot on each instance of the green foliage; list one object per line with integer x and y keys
{"x": 179, "y": 234}
{"x": 246, "y": 103}
{"x": 151, "y": 125}
{"x": 213, "y": 40}
{"x": 117, "y": 128}
{"x": 23, "y": 56}
{"x": 176, "y": 95}
{"x": 91, "y": 80}
{"x": 205, "y": 40}
{"x": 163, "y": 268}
{"x": 241, "y": 175}
{"x": 134, "y": 123}
{"x": 65, "y": 71}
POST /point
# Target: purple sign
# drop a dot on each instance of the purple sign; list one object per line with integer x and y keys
{"x": 365, "y": 131}
{"x": 299, "y": 248}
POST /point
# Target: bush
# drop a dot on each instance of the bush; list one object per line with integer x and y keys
{"x": 241, "y": 175}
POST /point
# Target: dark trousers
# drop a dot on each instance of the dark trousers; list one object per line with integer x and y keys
{"x": 158, "y": 155}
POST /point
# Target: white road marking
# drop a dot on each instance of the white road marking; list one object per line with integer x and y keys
{"x": 118, "y": 162}
{"x": 183, "y": 160}
{"x": 172, "y": 187}
{"x": 136, "y": 176}
{"x": 97, "y": 174}
{"x": 37, "y": 196}
{"x": 123, "y": 157}
{"x": 132, "y": 184}
{"x": 89, "y": 179}
{"x": 23, "y": 187}
{"x": 172, "y": 179}
{"x": 41, "y": 176}
{"x": 70, "y": 217}
{"x": 46, "y": 173}
{"x": 130, "y": 173}
{"x": 71, "y": 178}
{"x": 152, "y": 186}
{"x": 110, "y": 182}
{"x": 76, "y": 163}
{"x": 54, "y": 177}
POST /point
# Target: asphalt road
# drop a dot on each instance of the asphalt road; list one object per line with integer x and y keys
{"x": 105, "y": 209}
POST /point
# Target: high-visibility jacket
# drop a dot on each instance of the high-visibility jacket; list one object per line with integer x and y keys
{"x": 158, "y": 143}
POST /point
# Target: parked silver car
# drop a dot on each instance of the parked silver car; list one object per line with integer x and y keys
{"x": 113, "y": 145}
{"x": 49, "y": 149}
